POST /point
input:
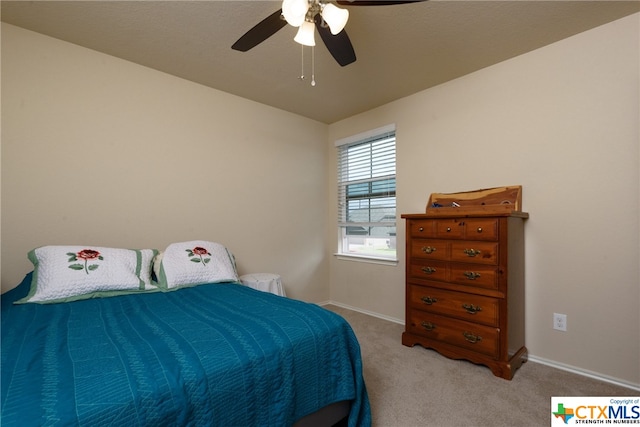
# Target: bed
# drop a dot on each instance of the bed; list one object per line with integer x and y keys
{"x": 215, "y": 354}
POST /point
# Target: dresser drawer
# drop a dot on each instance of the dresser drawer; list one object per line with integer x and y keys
{"x": 430, "y": 249}
{"x": 428, "y": 269}
{"x": 478, "y": 275}
{"x": 473, "y": 308}
{"x": 480, "y": 252}
{"x": 475, "y": 337}
{"x": 449, "y": 229}
{"x": 422, "y": 228}
{"x": 481, "y": 229}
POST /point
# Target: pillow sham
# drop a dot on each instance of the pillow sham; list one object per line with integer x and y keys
{"x": 194, "y": 263}
{"x": 71, "y": 273}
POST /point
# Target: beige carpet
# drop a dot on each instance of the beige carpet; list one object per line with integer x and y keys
{"x": 413, "y": 386}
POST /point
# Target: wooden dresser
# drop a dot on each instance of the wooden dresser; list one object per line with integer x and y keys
{"x": 465, "y": 285}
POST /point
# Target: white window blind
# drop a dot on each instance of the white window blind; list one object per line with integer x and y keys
{"x": 367, "y": 193}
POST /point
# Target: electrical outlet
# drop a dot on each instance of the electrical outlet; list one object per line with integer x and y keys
{"x": 560, "y": 322}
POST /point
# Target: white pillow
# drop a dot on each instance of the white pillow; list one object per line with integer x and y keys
{"x": 194, "y": 263}
{"x": 70, "y": 273}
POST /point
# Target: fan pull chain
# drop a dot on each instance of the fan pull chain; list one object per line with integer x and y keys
{"x": 302, "y": 62}
{"x": 313, "y": 66}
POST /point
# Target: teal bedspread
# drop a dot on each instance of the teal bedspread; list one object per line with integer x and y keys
{"x": 218, "y": 354}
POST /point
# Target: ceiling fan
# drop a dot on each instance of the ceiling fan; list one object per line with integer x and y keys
{"x": 310, "y": 15}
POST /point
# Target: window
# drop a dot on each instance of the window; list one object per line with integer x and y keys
{"x": 367, "y": 194}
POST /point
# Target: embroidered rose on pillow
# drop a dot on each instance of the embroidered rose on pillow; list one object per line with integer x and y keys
{"x": 197, "y": 255}
{"x": 86, "y": 255}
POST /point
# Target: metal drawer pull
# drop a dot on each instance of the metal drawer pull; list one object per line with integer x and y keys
{"x": 428, "y": 300}
{"x": 473, "y": 339}
{"x": 421, "y": 229}
{"x": 471, "y": 275}
{"x": 471, "y": 252}
{"x": 448, "y": 229}
{"x": 479, "y": 230}
{"x": 428, "y": 249}
{"x": 428, "y": 270}
{"x": 428, "y": 326}
{"x": 472, "y": 309}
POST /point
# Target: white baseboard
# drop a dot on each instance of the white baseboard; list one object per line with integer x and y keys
{"x": 359, "y": 310}
{"x": 531, "y": 358}
{"x": 584, "y": 372}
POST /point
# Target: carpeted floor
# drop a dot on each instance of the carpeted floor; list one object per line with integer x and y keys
{"x": 413, "y": 386}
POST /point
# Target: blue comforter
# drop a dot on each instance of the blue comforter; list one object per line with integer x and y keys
{"x": 219, "y": 354}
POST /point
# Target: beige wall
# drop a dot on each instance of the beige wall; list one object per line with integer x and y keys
{"x": 100, "y": 151}
{"x": 562, "y": 122}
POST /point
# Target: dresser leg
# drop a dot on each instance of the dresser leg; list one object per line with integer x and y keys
{"x": 506, "y": 370}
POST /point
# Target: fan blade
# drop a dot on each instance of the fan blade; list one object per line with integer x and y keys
{"x": 339, "y": 45}
{"x": 375, "y": 2}
{"x": 260, "y": 32}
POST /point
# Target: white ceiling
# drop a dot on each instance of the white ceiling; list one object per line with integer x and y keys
{"x": 400, "y": 49}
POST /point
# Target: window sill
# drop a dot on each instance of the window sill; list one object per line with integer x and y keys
{"x": 365, "y": 258}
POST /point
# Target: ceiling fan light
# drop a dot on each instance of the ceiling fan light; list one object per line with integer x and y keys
{"x": 335, "y": 17}
{"x": 306, "y": 34}
{"x": 294, "y": 11}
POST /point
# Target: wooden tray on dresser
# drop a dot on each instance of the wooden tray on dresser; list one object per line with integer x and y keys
{"x": 485, "y": 201}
